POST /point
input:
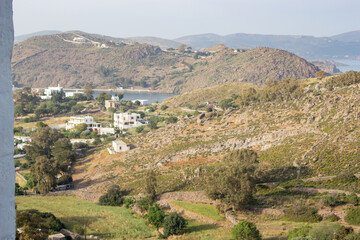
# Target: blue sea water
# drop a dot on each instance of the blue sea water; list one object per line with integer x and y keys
{"x": 151, "y": 97}
{"x": 352, "y": 65}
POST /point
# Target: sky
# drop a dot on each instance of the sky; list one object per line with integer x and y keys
{"x": 176, "y": 18}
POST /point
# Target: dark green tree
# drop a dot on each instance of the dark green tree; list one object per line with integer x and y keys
{"x": 44, "y": 172}
{"x": 151, "y": 184}
{"x": 234, "y": 182}
{"x": 245, "y": 230}
{"x": 156, "y": 216}
{"x": 174, "y": 224}
{"x": 88, "y": 91}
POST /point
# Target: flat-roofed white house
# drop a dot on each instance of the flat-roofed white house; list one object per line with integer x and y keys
{"x": 50, "y": 91}
{"x": 127, "y": 120}
{"x": 88, "y": 120}
{"x": 120, "y": 146}
{"x": 73, "y": 93}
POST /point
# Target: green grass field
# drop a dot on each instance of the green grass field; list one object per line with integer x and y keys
{"x": 203, "y": 209}
{"x": 103, "y": 221}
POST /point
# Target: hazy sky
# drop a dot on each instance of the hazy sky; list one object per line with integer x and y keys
{"x": 176, "y": 18}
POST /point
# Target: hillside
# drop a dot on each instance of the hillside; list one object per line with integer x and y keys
{"x": 312, "y": 124}
{"x": 44, "y": 61}
{"x": 23, "y": 37}
{"x": 308, "y": 47}
{"x": 353, "y": 36}
{"x": 160, "y": 42}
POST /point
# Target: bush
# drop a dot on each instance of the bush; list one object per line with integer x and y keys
{"x": 139, "y": 129}
{"x": 245, "y": 230}
{"x": 296, "y": 233}
{"x": 171, "y": 119}
{"x": 156, "y": 216}
{"x": 79, "y": 230}
{"x": 324, "y": 231}
{"x": 144, "y": 204}
{"x": 353, "y": 199}
{"x": 353, "y": 216}
{"x": 164, "y": 107}
{"x": 342, "y": 232}
{"x": 64, "y": 179}
{"x": 174, "y": 224}
{"x": 302, "y": 213}
{"x": 113, "y": 197}
{"x": 128, "y": 202}
{"x": 353, "y": 236}
{"x": 332, "y": 218}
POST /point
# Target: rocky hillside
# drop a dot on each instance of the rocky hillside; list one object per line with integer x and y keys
{"x": 312, "y": 125}
{"x": 44, "y": 61}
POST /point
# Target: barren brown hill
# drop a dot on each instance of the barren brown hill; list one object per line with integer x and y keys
{"x": 44, "y": 61}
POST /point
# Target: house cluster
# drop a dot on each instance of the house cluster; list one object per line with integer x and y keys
{"x": 21, "y": 141}
{"x": 48, "y": 92}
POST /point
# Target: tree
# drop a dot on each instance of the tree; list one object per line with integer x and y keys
{"x": 153, "y": 123}
{"x": 44, "y": 171}
{"x": 181, "y": 48}
{"x": 63, "y": 153}
{"x": 42, "y": 143}
{"x": 174, "y": 224}
{"x": 111, "y": 109}
{"x": 245, "y": 230}
{"x": 137, "y": 103}
{"x": 234, "y": 182}
{"x": 151, "y": 184}
{"x": 113, "y": 197}
{"x": 88, "y": 91}
{"x": 226, "y": 103}
{"x": 156, "y": 216}
{"x": 320, "y": 74}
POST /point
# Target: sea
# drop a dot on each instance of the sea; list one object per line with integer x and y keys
{"x": 352, "y": 65}
{"x": 149, "y": 96}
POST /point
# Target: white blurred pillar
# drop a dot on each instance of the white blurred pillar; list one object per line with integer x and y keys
{"x": 7, "y": 169}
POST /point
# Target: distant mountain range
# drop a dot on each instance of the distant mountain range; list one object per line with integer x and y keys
{"x": 346, "y": 45}
{"x": 73, "y": 59}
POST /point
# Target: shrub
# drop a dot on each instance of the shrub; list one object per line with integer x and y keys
{"x": 332, "y": 218}
{"x": 302, "y": 231}
{"x": 353, "y": 236}
{"x": 342, "y": 232}
{"x": 113, "y": 197}
{"x": 324, "y": 231}
{"x": 128, "y": 202}
{"x": 64, "y": 179}
{"x": 156, "y": 216}
{"x": 164, "y": 107}
{"x": 353, "y": 199}
{"x": 302, "y": 213}
{"x": 172, "y": 119}
{"x": 174, "y": 224}
{"x": 139, "y": 129}
{"x": 79, "y": 230}
{"x": 353, "y": 216}
{"x": 144, "y": 204}
{"x": 245, "y": 230}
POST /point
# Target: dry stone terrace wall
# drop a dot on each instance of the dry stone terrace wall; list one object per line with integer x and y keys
{"x": 7, "y": 169}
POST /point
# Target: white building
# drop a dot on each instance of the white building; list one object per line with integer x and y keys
{"x": 50, "y": 91}
{"x": 127, "y": 120}
{"x": 120, "y": 146}
{"x": 72, "y": 94}
{"x": 80, "y": 40}
{"x": 115, "y": 98}
{"x": 88, "y": 120}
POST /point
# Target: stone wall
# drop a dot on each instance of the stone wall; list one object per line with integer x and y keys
{"x": 7, "y": 169}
